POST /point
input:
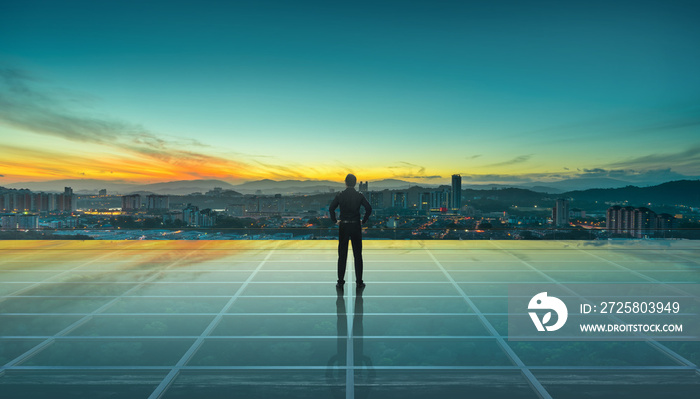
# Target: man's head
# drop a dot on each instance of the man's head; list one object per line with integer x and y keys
{"x": 350, "y": 180}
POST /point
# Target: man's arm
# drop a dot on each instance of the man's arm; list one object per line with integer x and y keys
{"x": 368, "y": 209}
{"x": 332, "y": 208}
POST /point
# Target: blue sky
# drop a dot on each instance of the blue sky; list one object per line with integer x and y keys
{"x": 504, "y": 91}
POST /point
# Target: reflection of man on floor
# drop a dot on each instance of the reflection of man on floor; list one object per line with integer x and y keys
{"x": 350, "y": 227}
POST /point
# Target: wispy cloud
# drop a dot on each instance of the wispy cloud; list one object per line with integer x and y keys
{"x": 409, "y": 176}
{"x": 407, "y": 170}
{"x": 516, "y": 160}
{"x": 24, "y": 105}
{"x": 687, "y": 158}
{"x": 28, "y": 104}
{"x": 495, "y": 178}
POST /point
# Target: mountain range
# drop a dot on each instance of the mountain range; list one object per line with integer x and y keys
{"x": 289, "y": 187}
{"x": 183, "y": 187}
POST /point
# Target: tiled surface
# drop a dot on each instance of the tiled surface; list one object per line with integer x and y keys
{"x": 262, "y": 319}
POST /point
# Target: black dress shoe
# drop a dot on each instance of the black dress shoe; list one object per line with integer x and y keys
{"x": 360, "y": 285}
{"x": 339, "y": 285}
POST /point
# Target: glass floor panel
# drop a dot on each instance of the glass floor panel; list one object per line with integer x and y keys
{"x": 263, "y": 319}
{"x": 263, "y": 326}
{"x": 141, "y": 325}
{"x": 112, "y": 352}
{"x": 37, "y": 325}
{"x": 431, "y": 352}
{"x": 443, "y": 384}
{"x": 259, "y": 384}
{"x": 51, "y": 305}
{"x": 65, "y": 384}
{"x": 293, "y": 304}
{"x": 167, "y": 305}
{"x": 625, "y": 385}
{"x": 270, "y": 352}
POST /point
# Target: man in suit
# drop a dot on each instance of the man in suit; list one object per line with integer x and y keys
{"x": 350, "y": 227}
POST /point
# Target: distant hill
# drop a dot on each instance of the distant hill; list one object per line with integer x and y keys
{"x": 582, "y": 183}
{"x": 182, "y": 187}
{"x": 685, "y": 192}
{"x": 395, "y": 184}
{"x": 92, "y": 186}
{"x": 267, "y": 186}
{"x": 509, "y": 195}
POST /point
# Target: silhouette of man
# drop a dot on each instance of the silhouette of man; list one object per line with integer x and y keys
{"x": 350, "y": 227}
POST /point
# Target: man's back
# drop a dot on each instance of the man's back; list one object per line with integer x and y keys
{"x": 350, "y": 228}
{"x": 350, "y": 201}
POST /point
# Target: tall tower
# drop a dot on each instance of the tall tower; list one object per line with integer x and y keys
{"x": 560, "y": 212}
{"x": 363, "y": 187}
{"x": 456, "y": 195}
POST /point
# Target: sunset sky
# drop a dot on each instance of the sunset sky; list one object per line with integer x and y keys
{"x": 503, "y": 92}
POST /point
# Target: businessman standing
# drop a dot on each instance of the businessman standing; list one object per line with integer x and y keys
{"x": 350, "y": 227}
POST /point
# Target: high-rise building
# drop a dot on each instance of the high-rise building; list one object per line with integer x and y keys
{"x": 424, "y": 201}
{"x": 644, "y": 222}
{"x": 19, "y": 221}
{"x": 456, "y": 195}
{"x": 131, "y": 202}
{"x": 102, "y": 192}
{"x": 363, "y": 187}
{"x": 67, "y": 201}
{"x": 439, "y": 198}
{"x": 157, "y": 202}
{"x": 376, "y": 199}
{"x": 206, "y": 218}
{"x": 560, "y": 212}
{"x": 637, "y": 222}
{"x": 193, "y": 217}
{"x": 190, "y": 215}
{"x": 26, "y": 201}
{"x": 398, "y": 199}
{"x": 664, "y": 223}
{"x": 612, "y": 219}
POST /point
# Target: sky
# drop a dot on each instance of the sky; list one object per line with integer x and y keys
{"x": 499, "y": 92}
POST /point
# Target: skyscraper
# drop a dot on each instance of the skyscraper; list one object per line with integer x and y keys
{"x": 560, "y": 212}
{"x": 376, "y": 199}
{"x": 456, "y": 195}
{"x": 637, "y": 222}
{"x": 364, "y": 187}
{"x": 439, "y": 198}
{"x": 155, "y": 201}
{"x": 398, "y": 199}
{"x": 67, "y": 200}
{"x": 131, "y": 202}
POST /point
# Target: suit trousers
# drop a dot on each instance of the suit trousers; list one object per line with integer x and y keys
{"x": 349, "y": 232}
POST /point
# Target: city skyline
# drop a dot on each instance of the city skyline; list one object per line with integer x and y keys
{"x": 506, "y": 93}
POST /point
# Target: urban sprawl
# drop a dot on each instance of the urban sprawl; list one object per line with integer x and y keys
{"x": 446, "y": 212}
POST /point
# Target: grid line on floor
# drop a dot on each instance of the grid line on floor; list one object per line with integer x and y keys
{"x": 656, "y": 345}
{"x": 36, "y": 349}
{"x": 532, "y": 380}
{"x": 170, "y": 377}
{"x": 454, "y": 262}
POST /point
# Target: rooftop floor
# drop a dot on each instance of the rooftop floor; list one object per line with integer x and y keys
{"x": 262, "y": 319}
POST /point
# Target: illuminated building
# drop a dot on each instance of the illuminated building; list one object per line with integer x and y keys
{"x": 456, "y": 195}
{"x": 398, "y": 199}
{"x": 637, "y": 222}
{"x": 560, "y": 212}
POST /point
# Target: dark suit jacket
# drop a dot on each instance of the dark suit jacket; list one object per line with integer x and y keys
{"x": 350, "y": 201}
